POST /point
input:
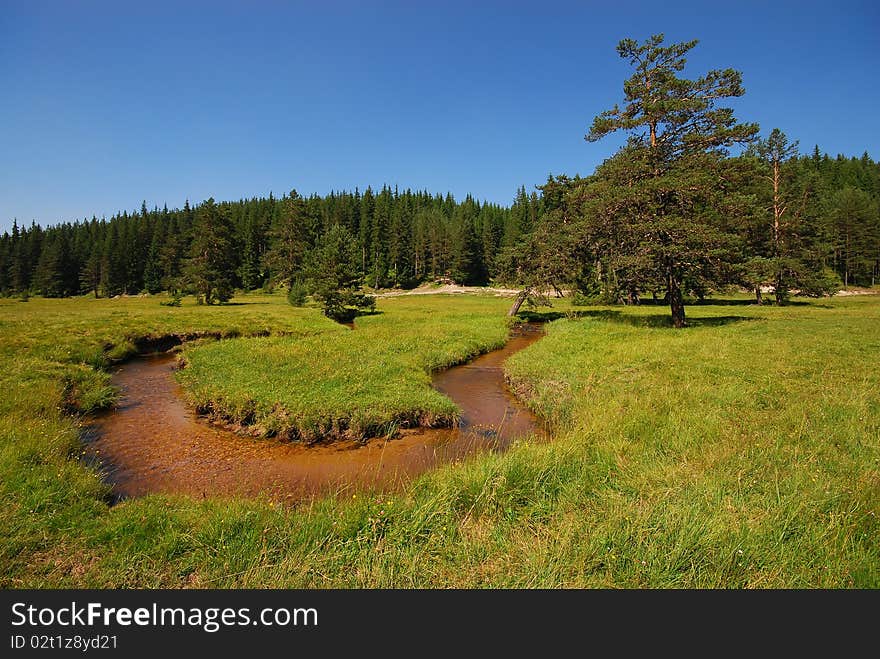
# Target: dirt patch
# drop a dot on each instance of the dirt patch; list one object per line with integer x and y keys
{"x": 450, "y": 289}
{"x": 455, "y": 289}
{"x": 858, "y": 291}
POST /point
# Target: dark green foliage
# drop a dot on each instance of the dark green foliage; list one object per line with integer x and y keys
{"x": 855, "y": 234}
{"x": 210, "y": 268}
{"x": 651, "y": 216}
{"x": 51, "y": 275}
{"x": 176, "y": 298}
{"x": 292, "y": 236}
{"x": 252, "y": 241}
{"x": 332, "y": 275}
{"x": 544, "y": 261}
{"x": 784, "y": 245}
{"x": 152, "y": 270}
{"x": 431, "y": 244}
{"x": 400, "y": 250}
{"x": 297, "y": 294}
{"x": 467, "y": 265}
{"x": 404, "y": 238}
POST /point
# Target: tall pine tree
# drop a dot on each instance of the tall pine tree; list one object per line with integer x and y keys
{"x": 212, "y": 257}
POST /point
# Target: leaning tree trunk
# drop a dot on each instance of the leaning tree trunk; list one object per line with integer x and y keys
{"x": 676, "y": 300}
{"x": 521, "y": 297}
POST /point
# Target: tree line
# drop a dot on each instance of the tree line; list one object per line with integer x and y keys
{"x": 396, "y": 239}
{"x": 675, "y": 215}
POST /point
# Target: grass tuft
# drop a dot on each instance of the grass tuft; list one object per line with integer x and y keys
{"x": 741, "y": 452}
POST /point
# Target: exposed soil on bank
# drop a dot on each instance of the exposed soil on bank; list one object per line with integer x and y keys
{"x": 153, "y": 443}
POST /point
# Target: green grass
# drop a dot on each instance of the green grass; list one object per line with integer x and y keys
{"x": 362, "y": 383}
{"x": 741, "y": 452}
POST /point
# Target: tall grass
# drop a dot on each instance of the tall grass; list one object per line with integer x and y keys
{"x": 359, "y": 384}
{"x": 742, "y": 452}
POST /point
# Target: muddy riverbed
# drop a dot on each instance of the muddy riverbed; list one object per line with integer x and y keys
{"x": 152, "y": 442}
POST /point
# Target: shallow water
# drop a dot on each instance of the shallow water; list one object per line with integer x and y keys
{"x": 153, "y": 443}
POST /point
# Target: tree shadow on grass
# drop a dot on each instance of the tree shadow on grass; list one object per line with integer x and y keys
{"x": 656, "y": 321}
{"x": 530, "y": 316}
{"x": 729, "y": 302}
{"x": 634, "y": 320}
{"x": 710, "y": 302}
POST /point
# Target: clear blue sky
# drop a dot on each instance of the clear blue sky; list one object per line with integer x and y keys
{"x": 105, "y": 104}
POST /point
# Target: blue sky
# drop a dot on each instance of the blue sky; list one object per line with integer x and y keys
{"x": 105, "y": 104}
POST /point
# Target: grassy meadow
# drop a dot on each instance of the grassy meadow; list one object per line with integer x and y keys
{"x": 742, "y": 452}
{"x": 362, "y": 383}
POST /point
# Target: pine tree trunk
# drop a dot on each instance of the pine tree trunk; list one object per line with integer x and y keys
{"x": 776, "y": 210}
{"x": 780, "y": 293}
{"x": 676, "y": 300}
{"x": 518, "y": 302}
{"x": 759, "y": 296}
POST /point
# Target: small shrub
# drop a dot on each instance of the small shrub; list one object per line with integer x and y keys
{"x": 341, "y": 314}
{"x": 296, "y": 296}
{"x": 579, "y": 299}
{"x": 176, "y": 297}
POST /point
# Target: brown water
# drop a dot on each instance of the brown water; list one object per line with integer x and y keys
{"x": 153, "y": 443}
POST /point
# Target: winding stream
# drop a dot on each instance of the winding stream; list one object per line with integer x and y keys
{"x": 153, "y": 443}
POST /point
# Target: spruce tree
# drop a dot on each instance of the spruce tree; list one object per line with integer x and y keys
{"x": 365, "y": 228}
{"x": 19, "y": 277}
{"x": 153, "y": 274}
{"x": 400, "y": 246}
{"x": 378, "y": 275}
{"x": 853, "y": 216}
{"x": 5, "y": 255}
{"x": 90, "y": 274}
{"x": 466, "y": 253}
{"x": 291, "y": 238}
{"x": 332, "y": 275}
{"x": 49, "y": 277}
{"x": 250, "y": 272}
{"x": 211, "y": 265}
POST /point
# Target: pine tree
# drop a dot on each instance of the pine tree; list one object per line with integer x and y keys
{"x": 19, "y": 278}
{"x": 49, "y": 276}
{"x": 853, "y": 216}
{"x": 378, "y": 276}
{"x": 250, "y": 272}
{"x": 90, "y": 274}
{"x": 491, "y": 227}
{"x": 785, "y": 248}
{"x": 332, "y": 275}
{"x": 5, "y": 262}
{"x": 110, "y": 282}
{"x": 291, "y": 236}
{"x": 212, "y": 261}
{"x": 518, "y": 221}
{"x": 153, "y": 274}
{"x": 657, "y": 197}
{"x": 400, "y": 246}
{"x": 172, "y": 255}
{"x": 466, "y": 251}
